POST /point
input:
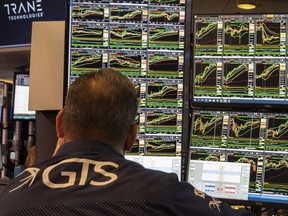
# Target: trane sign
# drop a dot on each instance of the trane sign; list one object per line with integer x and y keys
{"x": 24, "y": 10}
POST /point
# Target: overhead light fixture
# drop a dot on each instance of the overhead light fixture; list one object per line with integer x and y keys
{"x": 246, "y": 6}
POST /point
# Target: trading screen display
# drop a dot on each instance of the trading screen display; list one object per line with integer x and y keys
{"x": 255, "y": 138}
{"x": 21, "y": 98}
{"x": 240, "y": 59}
{"x": 144, "y": 40}
{"x": 222, "y": 180}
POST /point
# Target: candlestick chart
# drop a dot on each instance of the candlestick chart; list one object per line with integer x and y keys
{"x": 128, "y": 64}
{"x": 276, "y": 174}
{"x": 88, "y": 36}
{"x": 207, "y": 130}
{"x": 126, "y": 14}
{"x": 206, "y": 155}
{"x": 236, "y": 40}
{"x": 86, "y": 61}
{"x": 205, "y": 78}
{"x": 160, "y": 146}
{"x": 165, "y": 65}
{"x": 164, "y": 16}
{"x": 268, "y": 38}
{"x": 244, "y": 132}
{"x": 268, "y": 80}
{"x": 161, "y": 122}
{"x": 277, "y": 133}
{"x": 235, "y": 79}
{"x": 165, "y": 38}
{"x": 125, "y": 37}
{"x": 162, "y": 95}
{"x": 206, "y": 38}
{"x": 88, "y": 12}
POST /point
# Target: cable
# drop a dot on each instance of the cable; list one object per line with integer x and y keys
{"x": 225, "y": 6}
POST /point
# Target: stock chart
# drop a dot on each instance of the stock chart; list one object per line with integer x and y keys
{"x": 144, "y": 40}
{"x": 255, "y": 138}
{"x": 237, "y": 38}
{"x": 207, "y": 130}
{"x": 268, "y": 38}
{"x": 206, "y": 37}
{"x": 240, "y": 59}
{"x": 240, "y": 63}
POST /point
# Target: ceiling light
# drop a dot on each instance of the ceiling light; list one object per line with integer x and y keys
{"x": 246, "y": 6}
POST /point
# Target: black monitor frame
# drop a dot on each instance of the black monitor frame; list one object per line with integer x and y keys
{"x": 106, "y": 48}
{"x": 249, "y": 59}
{"x": 257, "y": 199}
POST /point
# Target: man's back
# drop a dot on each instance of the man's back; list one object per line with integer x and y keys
{"x": 96, "y": 180}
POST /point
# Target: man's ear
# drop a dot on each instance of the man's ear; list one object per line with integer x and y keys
{"x": 130, "y": 140}
{"x": 59, "y": 124}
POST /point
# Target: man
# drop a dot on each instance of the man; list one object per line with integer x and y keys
{"x": 89, "y": 175}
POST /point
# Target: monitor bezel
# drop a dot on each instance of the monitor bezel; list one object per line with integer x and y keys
{"x": 251, "y": 104}
{"x": 251, "y": 201}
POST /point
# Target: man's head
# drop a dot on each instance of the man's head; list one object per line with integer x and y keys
{"x": 101, "y": 106}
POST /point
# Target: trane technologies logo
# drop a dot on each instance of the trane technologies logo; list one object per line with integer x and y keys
{"x": 24, "y": 10}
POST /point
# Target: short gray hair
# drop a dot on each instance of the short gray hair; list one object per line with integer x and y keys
{"x": 104, "y": 101}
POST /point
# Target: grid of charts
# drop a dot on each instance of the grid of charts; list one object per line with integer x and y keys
{"x": 241, "y": 61}
{"x": 144, "y": 40}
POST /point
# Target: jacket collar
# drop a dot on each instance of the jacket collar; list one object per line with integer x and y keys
{"x": 87, "y": 146}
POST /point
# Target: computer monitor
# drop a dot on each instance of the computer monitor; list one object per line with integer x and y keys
{"x": 220, "y": 179}
{"x": 164, "y": 163}
{"x": 240, "y": 60}
{"x": 21, "y": 98}
{"x": 144, "y": 40}
{"x": 258, "y": 139}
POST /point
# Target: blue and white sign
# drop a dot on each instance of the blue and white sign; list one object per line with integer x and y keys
{"x": 16, "y": 17}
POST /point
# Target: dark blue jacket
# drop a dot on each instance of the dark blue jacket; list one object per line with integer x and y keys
{"x": 91, "y": 178}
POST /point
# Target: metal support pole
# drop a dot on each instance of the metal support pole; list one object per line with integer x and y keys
{"x": 5, "y": 116}
{"x": 30, "y": 141}
{"x": 17, "y": 143}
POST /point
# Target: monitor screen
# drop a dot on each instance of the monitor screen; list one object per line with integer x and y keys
{"x": 163, "y": 163}
{"x": 255, "y": 138}
{"x": 21, "y": 98}
{"x": 144, "y": 40}
{"x": 221, "y": 180}
{"x": 240, "y": 60}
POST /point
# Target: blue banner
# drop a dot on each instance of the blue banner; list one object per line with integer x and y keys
{"x": 16, "y": 17}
